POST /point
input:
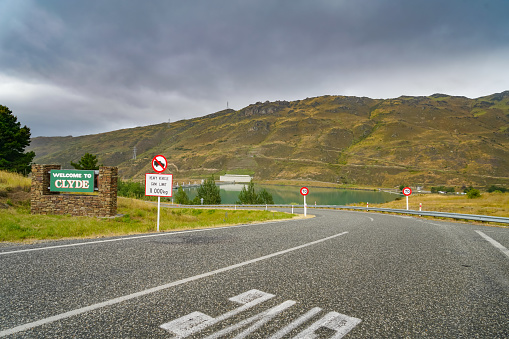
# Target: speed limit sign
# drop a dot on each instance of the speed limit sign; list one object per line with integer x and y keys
{"x": 304, "y": 191}
{"x": 407, "y": 191}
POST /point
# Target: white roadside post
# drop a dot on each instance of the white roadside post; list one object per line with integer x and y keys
{"x": 304, "y": 191}
{"x": 406, "y": 192}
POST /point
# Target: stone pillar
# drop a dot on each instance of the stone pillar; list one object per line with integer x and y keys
{"x": 40, "y": 188}
{"x": 108, "y": 184}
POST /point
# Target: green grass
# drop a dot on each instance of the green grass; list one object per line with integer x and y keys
{"x": 18, "y": 225}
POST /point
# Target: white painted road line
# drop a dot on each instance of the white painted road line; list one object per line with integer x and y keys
{"x": 338, "y": 322}
{"x": 261, "y": 319}
{"x": 135, "y": 237}
{"x": 301, "y": 320}
{"x": 197, "y": 321}
{"x": 155, "y": 289}
{"x": 494, "y": 243}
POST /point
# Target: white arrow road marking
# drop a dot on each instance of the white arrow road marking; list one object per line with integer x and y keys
{"x": 197, "y": 321}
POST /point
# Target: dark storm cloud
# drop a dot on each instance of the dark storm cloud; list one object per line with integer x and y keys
{"x": 112, "y": 64}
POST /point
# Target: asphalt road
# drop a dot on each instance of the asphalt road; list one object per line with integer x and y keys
{"x": 351, "y": 274}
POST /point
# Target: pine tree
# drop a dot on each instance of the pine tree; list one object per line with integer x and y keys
{"x": 209, "y": 192}
{"x": 13, "y": 141}
{"x": 248, "y": 196}
{"x": 265, "y": 197}
{"x": 181, "y": 197}
{"x": 87, "y": 162}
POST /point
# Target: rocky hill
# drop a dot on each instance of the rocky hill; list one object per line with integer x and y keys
{"x": 433, "y": 140}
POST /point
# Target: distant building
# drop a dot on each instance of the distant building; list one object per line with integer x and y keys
{"x": 235, "y": 178}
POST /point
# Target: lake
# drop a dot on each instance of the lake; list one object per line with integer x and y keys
{"x": 291, "y": 195}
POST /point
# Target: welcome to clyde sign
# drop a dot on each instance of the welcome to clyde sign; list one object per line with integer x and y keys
{"x": 72, "y": 181}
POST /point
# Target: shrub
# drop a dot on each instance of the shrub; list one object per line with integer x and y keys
{"x": 494, "y": 188}
{"x": 473, "y": 193}
{"x": 130, "y": 189}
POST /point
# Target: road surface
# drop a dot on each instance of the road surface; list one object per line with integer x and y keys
{"x": 340, "y": 274}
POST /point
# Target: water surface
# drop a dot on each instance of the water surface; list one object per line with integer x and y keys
{"x": 291, "y": 195}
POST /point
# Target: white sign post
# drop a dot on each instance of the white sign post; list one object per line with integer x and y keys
{"x": 158, "y": 185}
{"x": 304, "y": 191}
{"x": 406, "y": 192}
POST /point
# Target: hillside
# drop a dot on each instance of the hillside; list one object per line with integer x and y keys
{"x": 432, "y": 140}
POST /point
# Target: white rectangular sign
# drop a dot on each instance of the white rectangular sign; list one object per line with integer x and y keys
{"x": 158, "y": 185}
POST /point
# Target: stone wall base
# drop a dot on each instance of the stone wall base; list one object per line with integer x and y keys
{"x": 102, "y": 204}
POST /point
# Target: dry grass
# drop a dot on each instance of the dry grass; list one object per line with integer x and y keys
{"x": 493, "y": 204}
{"x": 11, "y": 180}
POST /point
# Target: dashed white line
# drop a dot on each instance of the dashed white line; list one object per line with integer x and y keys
{"x": 155, "y": 289}
{"x": 494, "y": 243}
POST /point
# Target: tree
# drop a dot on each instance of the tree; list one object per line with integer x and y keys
{"x": 209, "y": 192}
{"x": 248, "y": 196}
{"x": 130, "y": 189}
{"x": 181, "y": 197}
{"x": 13, "y": 141}
{"x": 265, "y": 197}
{"x": 87, "y": 162}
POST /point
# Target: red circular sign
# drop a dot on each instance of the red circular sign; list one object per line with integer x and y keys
{"x": 159, "y": 163}
{"x": 407, "y": 191}
{"x": 304, "y": 191}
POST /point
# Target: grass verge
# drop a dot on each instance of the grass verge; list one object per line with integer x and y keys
{"x": 18, "y": 225}
{"x": 493, "y": 204}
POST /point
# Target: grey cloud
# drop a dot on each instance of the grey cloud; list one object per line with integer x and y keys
{"x": 187, "y": 58}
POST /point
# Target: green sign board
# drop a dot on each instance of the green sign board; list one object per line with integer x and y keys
{"x": 71, "y": 181}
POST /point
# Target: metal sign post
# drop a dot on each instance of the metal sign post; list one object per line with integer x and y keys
{"x": 304, "y": 191}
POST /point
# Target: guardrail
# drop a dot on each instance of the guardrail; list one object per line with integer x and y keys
{"x": 460, "y": 216}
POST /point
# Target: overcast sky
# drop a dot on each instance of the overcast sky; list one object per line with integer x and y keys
{"x": 90, "y": 66}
